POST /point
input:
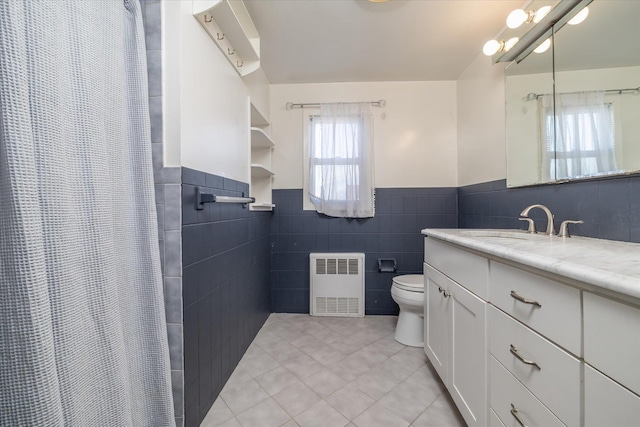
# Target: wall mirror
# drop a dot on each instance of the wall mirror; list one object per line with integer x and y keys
{"x": 588, "y": 125}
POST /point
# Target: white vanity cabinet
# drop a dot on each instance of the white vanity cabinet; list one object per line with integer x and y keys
{"x": 549, "y": 349}
{"x": 455, "y": 339}
{"x": 612, "y": 362}
{"x": 607, "y": 403}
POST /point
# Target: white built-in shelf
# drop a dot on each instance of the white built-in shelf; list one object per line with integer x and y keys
{"x": 261, "y": 146}
{"x": 259, "y": 139}
{"x": 257, "y": 119}
{"x": 229, "y": 25}
{"x": 260, "y": 171}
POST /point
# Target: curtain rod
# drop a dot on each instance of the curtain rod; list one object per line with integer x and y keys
{"x": 291, "y": 105}
{"x": 633, "y": 90}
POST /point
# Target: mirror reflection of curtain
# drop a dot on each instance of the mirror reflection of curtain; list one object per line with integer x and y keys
{"x": 546, "y": 137}
{"x": 584, "y": 140}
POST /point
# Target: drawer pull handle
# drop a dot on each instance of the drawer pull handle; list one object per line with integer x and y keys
{"x": 446, "y": 294}
{"x": 514, "y": 351}
{"x": 520, "y": 298}
{"x": 440, "y": 289}
{"x": 514, "y": 412}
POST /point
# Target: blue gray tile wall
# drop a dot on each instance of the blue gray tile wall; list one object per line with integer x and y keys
{"x": 610, "y": 208}
{"x": 226, "y": 286}
{"x": 394, "y": 232}
{"x": 168, "y": 199}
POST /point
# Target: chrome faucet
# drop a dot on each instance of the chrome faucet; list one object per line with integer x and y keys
{"x": 564, "y": 227}
{"x": 550, "y": 228}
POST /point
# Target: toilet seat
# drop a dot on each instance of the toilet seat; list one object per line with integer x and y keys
{"x": 410, "y": 282}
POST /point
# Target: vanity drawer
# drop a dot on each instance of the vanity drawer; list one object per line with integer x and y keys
{"x": 612, "y": 339}
{"x": 494, "y": 421}
{"x": 550, "y": 308}
{"x": 506, "y": 390}
{"x": 606, "y": 403}
{"x": 557, "y": 381}
{"x": 469, "y": 270}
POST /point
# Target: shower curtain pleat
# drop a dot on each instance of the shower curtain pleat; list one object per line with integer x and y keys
{"x": 82, "y": 330}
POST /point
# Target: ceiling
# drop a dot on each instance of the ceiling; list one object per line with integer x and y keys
{"x": 320, "y": 41}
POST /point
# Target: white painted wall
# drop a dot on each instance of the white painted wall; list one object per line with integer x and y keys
{"x": 523, "y": 127}
{"x": 415, "y": 134}
{"x": 206, "y": 121}
{"x": 481, "y": 123}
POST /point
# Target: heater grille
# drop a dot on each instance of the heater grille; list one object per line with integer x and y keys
{"x": 337, "y": 284}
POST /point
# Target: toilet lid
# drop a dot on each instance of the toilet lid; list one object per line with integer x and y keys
{"x": 410, "y": 282}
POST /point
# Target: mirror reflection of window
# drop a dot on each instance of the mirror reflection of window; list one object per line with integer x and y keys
{"x": 585, "y": 140}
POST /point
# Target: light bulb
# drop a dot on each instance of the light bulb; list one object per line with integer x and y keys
{"x": 544, "y": 46}
{"x": 581, "y": 16}
{"x": 517, "y": 18}
{"x": 491, "y": 47}
{"x": 510, "y": 43}
{"x": 541, "y": 13}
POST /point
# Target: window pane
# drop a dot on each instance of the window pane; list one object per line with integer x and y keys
{"x": 334, "y": 157}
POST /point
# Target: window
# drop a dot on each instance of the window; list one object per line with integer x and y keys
{"x": 340, "y": 161}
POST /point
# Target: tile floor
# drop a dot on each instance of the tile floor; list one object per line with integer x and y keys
{"x": 328, "y": 371}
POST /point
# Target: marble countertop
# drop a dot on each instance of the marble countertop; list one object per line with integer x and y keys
{"x": 607, "y": 264}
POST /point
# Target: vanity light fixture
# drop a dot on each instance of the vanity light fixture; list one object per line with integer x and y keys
{"x": 515, "y": 19}
{"x": 492, "y": 47}
{"x": 581, "y": 16}
{"x": 510, "y": 43}
{"x": 545, "y": 19}
{"x": 544, "y": 46}
{"x": 519, "y": 16}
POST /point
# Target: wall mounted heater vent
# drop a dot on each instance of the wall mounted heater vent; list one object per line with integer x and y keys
{"x": 337, "y": 284}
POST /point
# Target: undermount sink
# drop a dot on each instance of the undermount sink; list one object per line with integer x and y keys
{"x": 502, "y": 234}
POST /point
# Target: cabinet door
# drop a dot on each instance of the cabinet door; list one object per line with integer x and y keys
{"x": 436, "y": 324}
{"x": 468, "y": 368}
{"x": 612, "y": 340}
{"x": 606, "y": 403}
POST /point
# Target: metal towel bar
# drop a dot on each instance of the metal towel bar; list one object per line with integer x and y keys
{"x": 203, "y": 197}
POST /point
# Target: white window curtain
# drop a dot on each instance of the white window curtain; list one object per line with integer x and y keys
{"x": 584, "y": 143}
{"x": 341, "y": 160}
{"x": 546, "y": 137}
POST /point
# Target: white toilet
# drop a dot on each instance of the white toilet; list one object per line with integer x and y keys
{"x": 408, "y": 292}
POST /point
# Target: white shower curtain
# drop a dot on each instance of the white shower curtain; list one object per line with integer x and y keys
{"x": 82, "y": 332}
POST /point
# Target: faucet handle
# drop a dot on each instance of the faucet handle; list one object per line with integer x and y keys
{"x": 564, "y": 227}
{"x": 532, "y": 226}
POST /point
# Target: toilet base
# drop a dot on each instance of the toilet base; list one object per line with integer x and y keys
{"x": 410, "y": 329}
